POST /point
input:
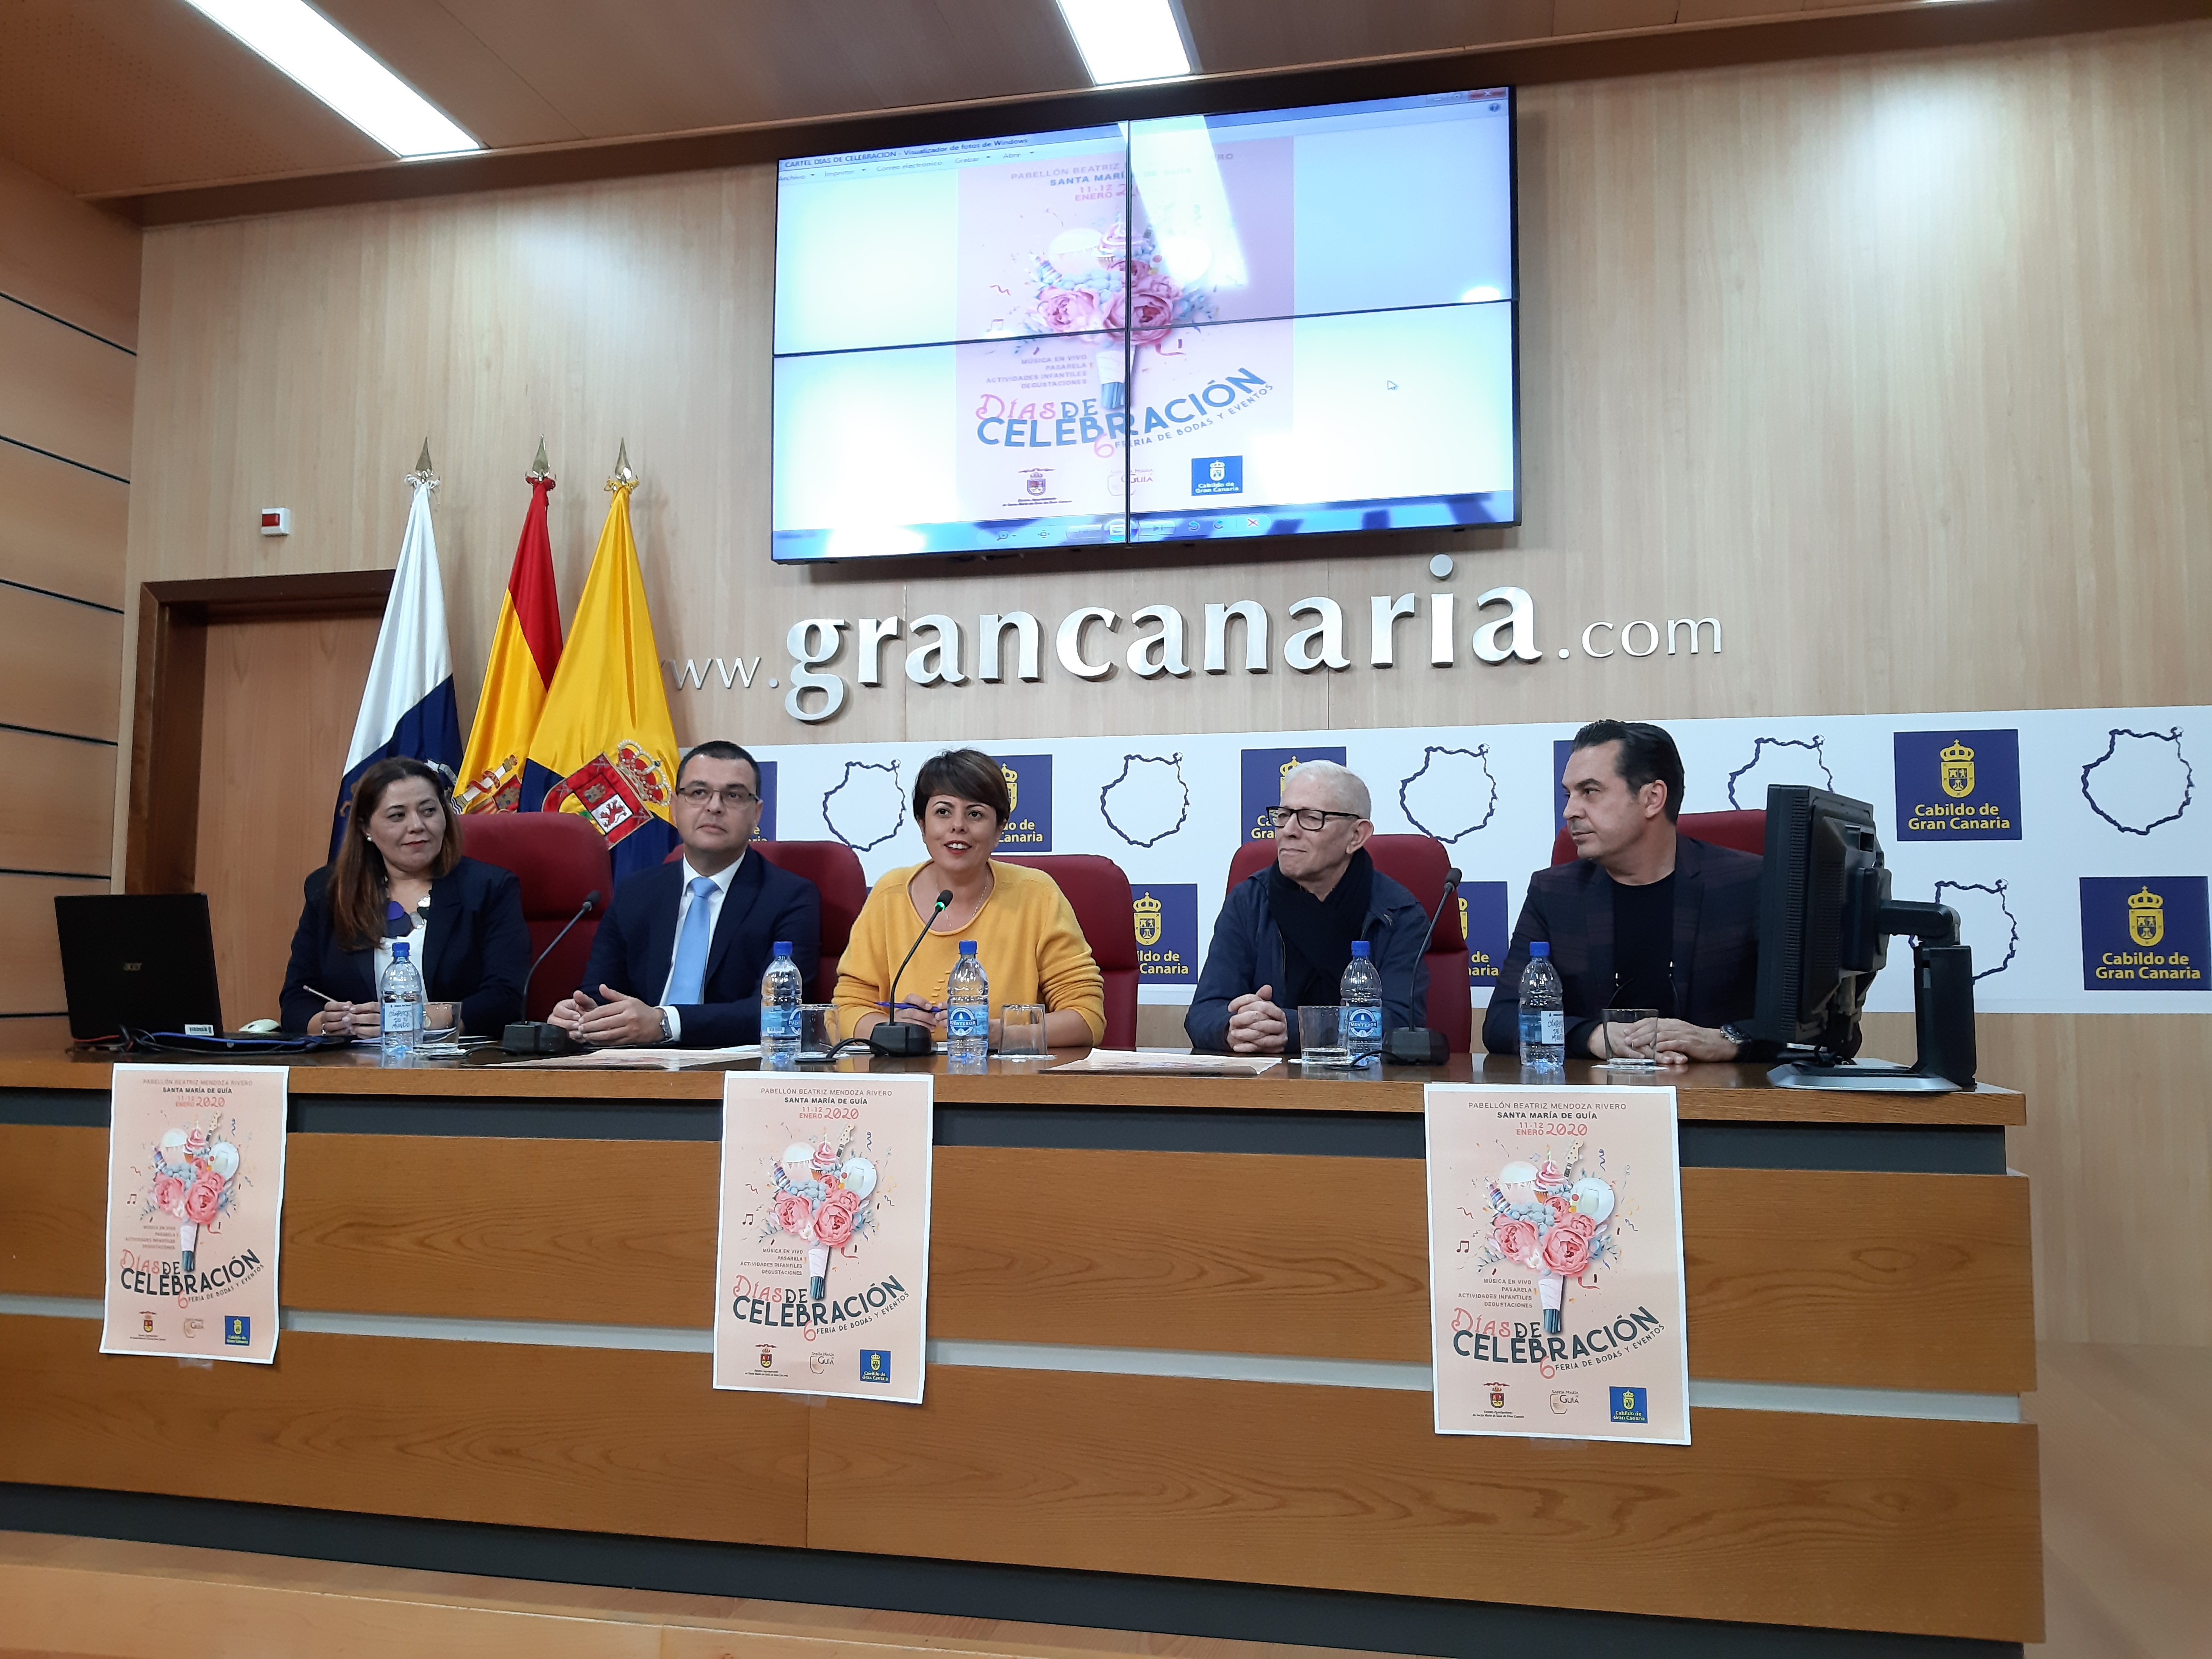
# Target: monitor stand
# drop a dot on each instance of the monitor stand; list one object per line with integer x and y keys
{"x": 1943, "y": 1023}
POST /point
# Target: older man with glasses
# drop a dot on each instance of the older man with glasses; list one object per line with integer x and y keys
{"x": 681, "y": 953}
{"x": 1284, "y": 936}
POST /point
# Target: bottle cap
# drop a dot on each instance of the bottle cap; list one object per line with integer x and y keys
{"x": 1359, "y": 948}
{"x": 1539, "y": 947}
{"x": 399, "y": 950}
{"x": 783, "y": 947}
{"x": 967, "y": 947}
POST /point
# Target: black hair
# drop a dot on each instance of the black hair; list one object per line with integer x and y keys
{"x": 717, "y": 748}
{"x": 1648, "y": 754}
{"x": 967, "y": 774}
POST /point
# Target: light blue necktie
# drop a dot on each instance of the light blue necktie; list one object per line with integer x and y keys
{"x": 687, "y": 981}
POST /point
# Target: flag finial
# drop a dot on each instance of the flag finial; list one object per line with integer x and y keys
{"x": 624, "y": 475}
{"x": 539, "y": 468}
{"x": 422, "y": 475}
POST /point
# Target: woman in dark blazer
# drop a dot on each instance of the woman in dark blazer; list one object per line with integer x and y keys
{"x": 399, "y": 875}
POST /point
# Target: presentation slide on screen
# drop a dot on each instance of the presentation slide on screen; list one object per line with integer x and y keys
{"x": 1264, "y": 324}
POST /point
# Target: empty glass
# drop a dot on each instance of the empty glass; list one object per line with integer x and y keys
{"x": 1631, "y": 1039}
{"x": 1021, "y": 1031}
{"x": 817, "y": 1030}
{"x": 1321, "y": 1035}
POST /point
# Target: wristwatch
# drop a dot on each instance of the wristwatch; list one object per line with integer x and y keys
{"x": 1734, "y": 1033}
{"x": 666, "y": 1035}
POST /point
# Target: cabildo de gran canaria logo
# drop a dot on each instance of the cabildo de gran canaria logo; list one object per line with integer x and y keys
{"x": 1166, "y": 917}
{"x": 1028, "y": 828}
{"x": 1953, "y": 785}
{"x": 2145, "y": 933}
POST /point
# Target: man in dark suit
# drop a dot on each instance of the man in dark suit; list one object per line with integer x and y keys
{"x": 680, "y": 955}
{"x": 1644, "y": 918}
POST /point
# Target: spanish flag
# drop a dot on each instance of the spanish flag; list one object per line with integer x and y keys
{"x": 526, "y": 649}
{"x": 604, "y": 746}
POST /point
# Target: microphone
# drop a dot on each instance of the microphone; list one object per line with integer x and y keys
{"x": 890, "y": 1036}
{"x": 1417, "y": 1045}
{"x": 536, "y": 1037}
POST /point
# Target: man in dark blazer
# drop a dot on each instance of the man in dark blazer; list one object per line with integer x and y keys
{"x": 680, "y": 955}
{"x": 1644, "y": 917}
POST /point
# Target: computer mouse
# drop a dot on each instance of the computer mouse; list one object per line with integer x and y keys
{"x": 261, "y": 1027}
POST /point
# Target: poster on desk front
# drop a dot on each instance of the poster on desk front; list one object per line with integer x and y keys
{"x": 1555, "y": 1263}
{"x": 195, "y": 1208}
{"x": 822, "y": 1272}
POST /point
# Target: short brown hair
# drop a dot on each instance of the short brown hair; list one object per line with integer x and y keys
{"x": 965, "y": 774}
{"x": 358, "y": 881}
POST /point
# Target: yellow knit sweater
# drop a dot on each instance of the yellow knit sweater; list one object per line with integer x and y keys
{"x": 1025, "y": 935}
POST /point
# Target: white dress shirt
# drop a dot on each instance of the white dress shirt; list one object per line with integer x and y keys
{"x": 713, "y": 903}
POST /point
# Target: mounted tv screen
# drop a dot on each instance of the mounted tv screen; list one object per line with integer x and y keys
{"x": 1298, "y": 322}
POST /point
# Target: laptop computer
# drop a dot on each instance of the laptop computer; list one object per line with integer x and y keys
{"x": 140, "y": 962}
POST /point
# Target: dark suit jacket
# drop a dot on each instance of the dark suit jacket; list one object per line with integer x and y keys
{"x": 1716, "y": 944}
{"x": 637, "y": 941}
{"x": 476, "y": 951}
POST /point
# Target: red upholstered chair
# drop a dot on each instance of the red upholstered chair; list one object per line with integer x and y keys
{"x": 559, "y": 858}
{"x": 1417, "y": 864}
{"x": 835, "y": 870}
{"x": 1098, "y": 893}
{"x": 1744, "y": 830}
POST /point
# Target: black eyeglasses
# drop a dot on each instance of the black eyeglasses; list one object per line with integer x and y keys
{"x": 1308, "y": 817}
{"x": 736, "y": 796}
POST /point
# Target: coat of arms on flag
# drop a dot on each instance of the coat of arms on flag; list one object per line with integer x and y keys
{"x": 619, "y": 795}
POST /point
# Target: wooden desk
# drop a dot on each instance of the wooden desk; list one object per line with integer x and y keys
{"x": 1179, "y": 1331}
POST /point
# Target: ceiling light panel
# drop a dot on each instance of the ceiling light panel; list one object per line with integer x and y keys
{"x": 1124, "y": 40}
{"x": 311, "y": 49}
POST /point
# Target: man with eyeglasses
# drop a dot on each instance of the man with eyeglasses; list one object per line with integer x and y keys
{"x": 1284, "y": 936}
{"x": 681, "y": 953}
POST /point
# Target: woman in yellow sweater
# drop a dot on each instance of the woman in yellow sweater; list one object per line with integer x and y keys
{"x": 1025, "y": 934}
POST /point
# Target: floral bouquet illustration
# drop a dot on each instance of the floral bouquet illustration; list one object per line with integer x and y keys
{"x": 824, "y": 1195}
{"x": 1554, "y": 1223}
{"x": 1085, "y": 282}
{"x": 195, "y": 1179}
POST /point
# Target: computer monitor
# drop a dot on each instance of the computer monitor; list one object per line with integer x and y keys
{"x": 138, "y": 962}
{"x": 1826, "y": 918}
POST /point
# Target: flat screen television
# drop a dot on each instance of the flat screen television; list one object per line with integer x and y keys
{"x": 1286, "y": 323}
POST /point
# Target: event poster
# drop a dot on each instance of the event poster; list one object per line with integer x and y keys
{"x": 195, "y": 1207}
{"x": 822, "y": 1273}
{"x": 1555, "y": 1263}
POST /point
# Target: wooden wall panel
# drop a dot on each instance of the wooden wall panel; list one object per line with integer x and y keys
{"x": 65, "y": 529}
{"x": 64, "y": 391}
{"x": 586, "y": 1439}
{"x": 70, "y": 260}
{"x": 58, "y": 665}
{"x": 31, "y": 966}
{"x": 280, "y": 704}
{"x": 74, "y": 783}
{"x": 1862, "y": 1523}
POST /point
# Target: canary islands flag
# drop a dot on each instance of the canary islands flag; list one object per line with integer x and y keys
{"x": 604, "y": 746}
{"x": 526, "y": 649}
{"x": 407, "y": 707}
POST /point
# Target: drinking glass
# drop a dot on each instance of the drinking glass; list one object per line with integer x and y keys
{"x": 1321, "y": 1035}
{"x": 817, "y": 1030}
{"x": 1631, "y": 1039}
{"x": 1021, "y": 1031}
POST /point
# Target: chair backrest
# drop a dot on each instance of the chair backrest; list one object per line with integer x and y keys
{"x": 835, "y": 870}
{"x": 559, "y": 858}
{"x": 1416, "y": 863}
{"x": 1745, "y": 830}
{"x": 1097, "y": 891}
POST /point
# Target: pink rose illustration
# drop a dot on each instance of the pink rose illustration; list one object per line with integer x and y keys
{"x": 793, "y": 1214}
{"x": 1152, "y": 310}
{"x": 169, "y": 1195}
{"x": 1068, "y": 310}
{"x": 202, "y": 1198}
{"x": 1515, "y": 1240}
{"x": 1567, "y": 1246}
{"x": 1562, "y": 1206}
{"x": 833, "y": 1222}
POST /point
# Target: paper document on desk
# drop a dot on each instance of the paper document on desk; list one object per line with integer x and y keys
{"x": 641, "y": 1059}
{"x": 822, "y": 1261}
{"x": 1555, "y": 1263}
{"x": 1169, "y": 1062}
{"x": 195, "y": 1200}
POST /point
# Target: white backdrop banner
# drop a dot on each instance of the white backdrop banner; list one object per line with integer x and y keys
{"x": 2069, "y": 840}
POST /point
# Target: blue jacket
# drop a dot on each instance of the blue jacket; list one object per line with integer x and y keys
{"x": 637, "y": 941}
{"x": 1247, "y": 952}
{"x": 476, "y": 952}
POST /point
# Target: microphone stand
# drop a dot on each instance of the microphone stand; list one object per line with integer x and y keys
{"x": 536, "y": 1036}
{"x": 890, "y": 1036}
{"x": 1417, "y": 1045}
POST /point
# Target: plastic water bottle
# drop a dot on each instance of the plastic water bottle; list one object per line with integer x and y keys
{"x": 1543, "y": 1012}
{"x": 782, "y": 991}
{"x": 968, "y": 1013}
{"x": 399, "y": 1015}
{"x": 1360, "y": 994}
